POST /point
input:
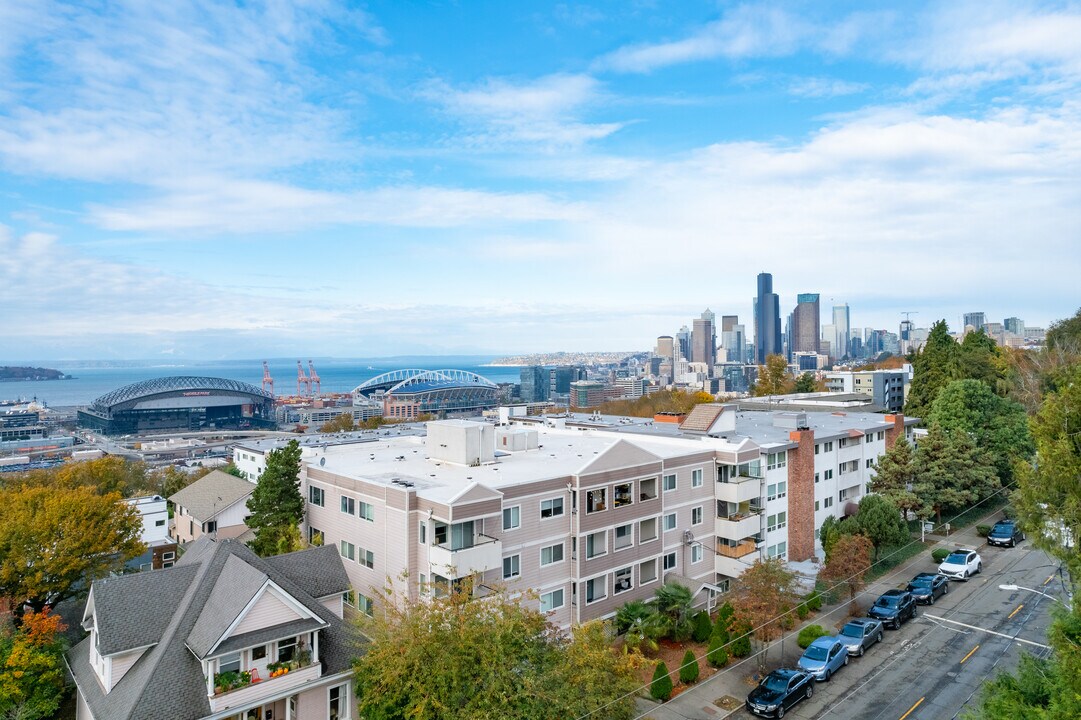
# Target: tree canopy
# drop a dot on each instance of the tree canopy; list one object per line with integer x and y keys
{"x": 952, "y": 472}
{"x": 276, "y": 505}
{"x": 895, "y": 476}
{"x": 55, "y": 541}
{"x": 456, "y": 657}
{"x": 765, "y": 591}
{"x": 341, "y": 423}
{"x": 676, "y": 401}
{"x": 31, "y": 667}
{"x": 848, "y": 563}
{"x": 879, "y": 520}
{"x": 773, "y": 377}
{"x": 935, "y": 365}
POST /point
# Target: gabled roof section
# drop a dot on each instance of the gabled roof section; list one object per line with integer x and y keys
{"x": 475, "y": 492}
{"x": 236, "y": 586}
{"x": 212, "y": 493}
{"x": 132, "y": 611}
{"x": 620, "y": 455}
{"x": 318, "y": 571}
{"x": 167, "y": 681}
{"x": 702, "y": 417}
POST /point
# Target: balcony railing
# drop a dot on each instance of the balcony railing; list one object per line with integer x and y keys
{"x": 737, "y": 551}
{"x": 253, "y": 693}
{"x": 485, "y": 554}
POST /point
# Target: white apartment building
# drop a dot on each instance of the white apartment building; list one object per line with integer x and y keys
{"x": 589, "y": 514}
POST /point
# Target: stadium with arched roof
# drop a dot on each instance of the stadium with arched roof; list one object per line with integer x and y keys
{"x": 179, "y": 403}
{"x": 408, "y": 393}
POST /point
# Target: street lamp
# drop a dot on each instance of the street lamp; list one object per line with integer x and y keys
{"x": 1012, "y": 587}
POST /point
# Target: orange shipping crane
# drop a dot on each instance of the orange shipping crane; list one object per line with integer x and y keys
{"x": 268, "y": 382}
{"x": 313, "y": 378}
{"x": 304, "y": 383}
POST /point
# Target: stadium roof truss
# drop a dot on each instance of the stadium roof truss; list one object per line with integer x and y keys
{"x": 410, "y": 381}
{"x": 180, "y": 383}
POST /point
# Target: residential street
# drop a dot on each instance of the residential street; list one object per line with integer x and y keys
{"x": 928, "y": 669}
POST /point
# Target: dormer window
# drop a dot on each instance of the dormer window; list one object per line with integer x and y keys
{"x": 229, "y": 663}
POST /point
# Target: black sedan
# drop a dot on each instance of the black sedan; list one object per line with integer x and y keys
{"x": 1005, "y": 533}
{"x": 779, "y": 691}
{"x": 893, "y": 607}
{"x": 927, "y": 587}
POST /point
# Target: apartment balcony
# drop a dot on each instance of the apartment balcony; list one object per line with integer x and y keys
{"x": 485, "y": 554}
{"x": 743, "y": 548}
{"x": 739, "y": 526}
{"x": 254, "y": 694}
{"x": 739, "y": 489}
{"x": 732, "y": 567}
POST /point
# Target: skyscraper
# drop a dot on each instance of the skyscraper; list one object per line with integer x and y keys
{"x": 683, "y": 342}
{"x": 734, "y": 342}
{"x": 1015, "y": 325}
{"x": 534, "y": 384}
{"x": 842, "y": 330}
{"x": 805, "y": 323}
{"x": 975, "y": 319}
{"x": 767, "y": 319}
{"x": 702, "y": 345}
{"x": 728, "y": 322}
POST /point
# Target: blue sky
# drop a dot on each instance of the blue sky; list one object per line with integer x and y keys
{"x": 209, "y": 180}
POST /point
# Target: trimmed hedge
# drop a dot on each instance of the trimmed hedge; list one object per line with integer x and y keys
{"x": 661, "y": 687}
{"x": 688, "y": 670}
{"x": 741, "y": 647}
{"x": 703, "y": 627}
{"x": 809, "y": 634}
{"x": 814, "y": 601}
{"x": 939, "y": 554}
{"x": 717, "y": 655}
{"x": 983, "y": 530}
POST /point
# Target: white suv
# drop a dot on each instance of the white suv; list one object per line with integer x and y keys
{"x": 961, "y": 564}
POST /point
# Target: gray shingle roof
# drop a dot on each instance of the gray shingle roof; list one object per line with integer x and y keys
{"x": 167, "y": 681}
{"x": 126, "y": 625}
{"x": 212, "y": 493}
{"x": 318, "y": 571}
{"x": 236, "y": 585}
{"x": 262, "y": 637}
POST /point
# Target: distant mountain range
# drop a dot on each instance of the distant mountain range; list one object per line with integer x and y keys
{"x": 14, "y": 373}
{"x": 566, "y": 358}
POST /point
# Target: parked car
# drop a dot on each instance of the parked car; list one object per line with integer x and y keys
{"x": 1005, "y": 533}
{"x": 779, "y": 691}
{"x": 823, "y": 657}
{"x": 925, "y": 587}
{"x": 961, "y": 564}
{"x": 860, "y": 634}
{"x": 893, "y": 607}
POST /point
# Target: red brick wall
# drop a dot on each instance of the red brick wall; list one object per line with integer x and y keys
{"x": 897, "y": 431}
{"x": 801, "y": 496}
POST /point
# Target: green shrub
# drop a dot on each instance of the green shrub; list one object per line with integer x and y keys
{"x": 939, "y": 554}
{"x": 809, "y": 634}
{"x": 982, "y": 530}
{"x": 725, "y": 613}
{"x": 802, "y": 611}
{"x": 717, "y": 655}
{"x": 742, "y": 646}
{"x": 814, "y": 601}
{"x": 688, "y": 670}
{"x": 703, "y": 628}
{"x": 661, "y": 687}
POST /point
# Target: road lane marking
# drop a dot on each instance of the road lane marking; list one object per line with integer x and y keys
{"x": 1010, "y": 617}
{"x": 912, "y": 708}
{"x": 966, "y": 657}
{"x": 1049, "y": 578}
{"x": 989, "y": 632}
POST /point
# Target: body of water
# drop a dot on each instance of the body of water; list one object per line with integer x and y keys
{"x": 336, "y": 375}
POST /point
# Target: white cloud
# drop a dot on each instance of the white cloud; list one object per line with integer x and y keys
{"x": 546, "y": 110}
{"x": 221, "y": 205}
{"x": 818, "y": 87}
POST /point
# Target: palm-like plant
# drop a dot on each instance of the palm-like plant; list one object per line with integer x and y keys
{"x": 674, "y": 603}
{"x": 641, "y": 625}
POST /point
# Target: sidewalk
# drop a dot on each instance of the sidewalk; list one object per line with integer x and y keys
{"x": 698, "y": 701}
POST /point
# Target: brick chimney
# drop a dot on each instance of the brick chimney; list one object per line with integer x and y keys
{"x": 897, "y": 431}
{"x": 801, "y": 496}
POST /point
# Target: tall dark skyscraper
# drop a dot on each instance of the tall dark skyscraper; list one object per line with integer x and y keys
{"x": 767, "y": 319}
{"x": 534, "y": 384}
{"x": 703, "y": 343}
{"x": 805, "y": 323}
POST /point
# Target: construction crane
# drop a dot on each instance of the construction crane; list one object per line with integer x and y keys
{"x": 304, "y": 383}
{"x": 268, "y": 382}
{"x": 906, "y": 313}
{"x": 313, "y": 378}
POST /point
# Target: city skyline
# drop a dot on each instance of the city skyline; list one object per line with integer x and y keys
{"x": 184, "y": 181}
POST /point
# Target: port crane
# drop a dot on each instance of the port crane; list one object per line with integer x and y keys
{"x": 304, "y": 383}
{"x": 268, "y": 382}
{"x": 313, "y": 379}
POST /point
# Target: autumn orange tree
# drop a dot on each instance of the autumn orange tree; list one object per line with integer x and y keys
{"x": 849, "y": 560}
{"x": 54, "y": 541}
{"x": 773, "y": 377}
{"x": 766, "y": 591}
{"x": 31, "y": 667}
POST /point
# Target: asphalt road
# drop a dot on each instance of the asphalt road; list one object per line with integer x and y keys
{"x": 935, "y": 664}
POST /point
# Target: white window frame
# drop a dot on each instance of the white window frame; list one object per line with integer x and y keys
{"x": 365, "y": 511}
{"x": 664, "y": 482}
{"x": 515, "y": 516}
{"x": 628, "y": 574}
{"x": 700, "y": 513}
{"x": 603, "y": 534}
{"x": 352, "y": 554}
{"x": 515, "y": 566}
{"x": 664, "y": 562}
{"x": 616, "y": 547}
{"x": 344, "y": 702}
{"x": 315, "y": 490}
{"x": 697, "y": 478}
{"x": 664, "y": 523}
{"x": 350, "y": 502}
{"x": 551, "y": 594}
{"x": 697, "y": 553}
{"x": 551, "y": 508}
{"x": 552, "y": 549}
{"x": 596, "y": 598}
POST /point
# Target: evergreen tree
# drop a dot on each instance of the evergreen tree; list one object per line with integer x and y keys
{"x": 276, "y": 505}
{"x": 995, "y": 423}
{"x": 661, "y": 686}
{"x": 703, "y": 628}
{"x": 725, "y": 614}
{"x": 741, "y": 646}
{"x": 936, "y": 364}
{"x": 717, "y": 655}
{"x": 879, "y": 520}
{"x": 688, "y": 670}
{"x": 979, "y": 358}
{"x": 895, "y": 476}
{"x": 952, "y": 472}
{"x": 806, "y": 383}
